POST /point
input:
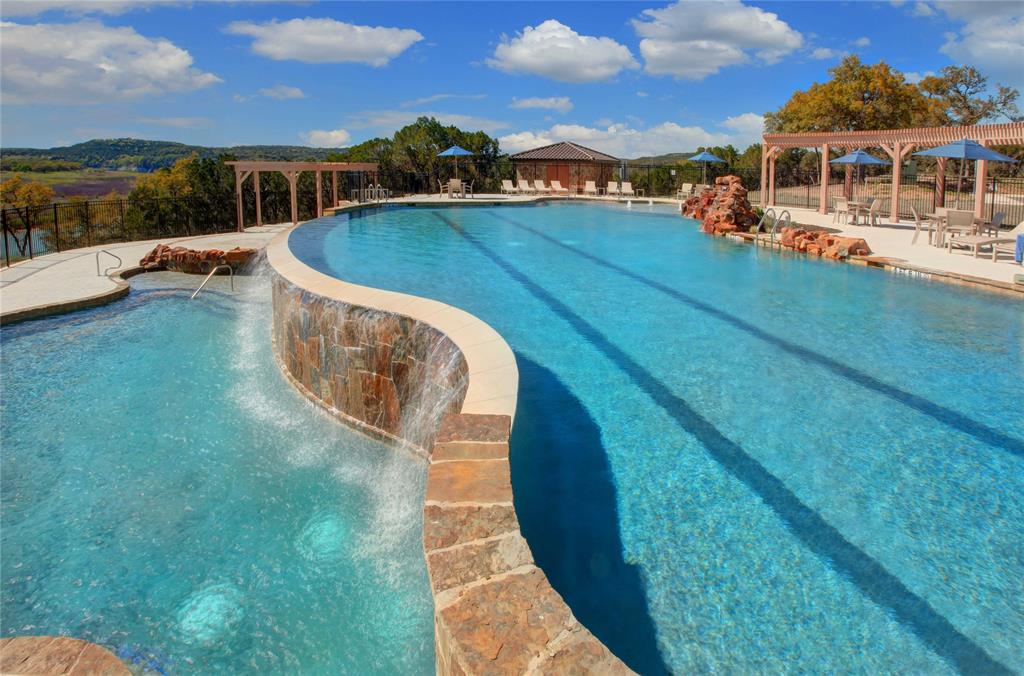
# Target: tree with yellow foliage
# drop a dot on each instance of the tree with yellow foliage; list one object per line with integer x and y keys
{"x": 17, "y": 192}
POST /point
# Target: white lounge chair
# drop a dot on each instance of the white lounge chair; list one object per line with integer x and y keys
{"x": 556, "y": 187}
{"x": 627, "y": 189}
{"x": 1001, "y": 243}
{"x": 524, "y": 187}
{"x": 507, "y": 188}
{"x": 612, "y": 189}
{"x": 590, "y": 188}
{"x": 538, "y": 184}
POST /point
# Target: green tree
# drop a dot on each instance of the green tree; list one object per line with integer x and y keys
{"x": 958, "y": 96}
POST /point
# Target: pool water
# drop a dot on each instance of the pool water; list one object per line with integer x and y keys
{"x": 167, "y": 494}
{"x": 733, "y": 460}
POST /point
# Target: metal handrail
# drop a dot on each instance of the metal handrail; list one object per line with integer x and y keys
{"x": 112, "y": 267}
{"x": 231, "y": 273}
{"x": 767, "y": 212}
{"x": 784, "y": 217}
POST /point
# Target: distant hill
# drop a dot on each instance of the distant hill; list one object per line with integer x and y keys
{"x": 669, "y": 158}
{"x": 130, "y": 154}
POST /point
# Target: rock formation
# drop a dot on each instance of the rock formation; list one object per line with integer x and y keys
{"x": 194, "y": 261}
{"x": 822, "y": 243}
{"x": 724, "y": 208}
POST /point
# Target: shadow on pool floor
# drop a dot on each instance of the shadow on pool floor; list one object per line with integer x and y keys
{"x": 567, "y": 510}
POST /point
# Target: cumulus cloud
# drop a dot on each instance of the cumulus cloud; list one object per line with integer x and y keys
{"x": 913, "y": 77}
{"x": 922, "y": 9}
{"x": 626, "y": 141}
{"x": 560, "y": 103}
{"x": 388, "y": 121}
{"x": 862, "y": 41}
{"x": 691, "y": 40}
{"x": 14, "y": 8}
{"x": 321, "y": 138}
{"x": 433, "y": 98}
{"x": 282, "y": 92}
{"x": 89, "y": 62}
{"x": 992, "y": 38}
{"x": 555, "y": 51}
{"x": 826, "y": 53}
{"x": 326, "y": 40}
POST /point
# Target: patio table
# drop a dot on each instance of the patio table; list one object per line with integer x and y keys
{"x": 855, "y": 208}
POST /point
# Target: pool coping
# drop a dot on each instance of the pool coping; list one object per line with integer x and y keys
{"x": 494, "y": 609}
{"x": 120, "y": 290}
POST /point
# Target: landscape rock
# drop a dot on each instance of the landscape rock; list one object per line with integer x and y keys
{"x": 722, "y": 209}
{"x": 823, "y": 243}
{"x": 194, "y": 261}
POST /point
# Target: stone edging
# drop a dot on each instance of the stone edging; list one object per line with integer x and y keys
{"x": 494, "y": 610}
{"x": 57, "y": 655}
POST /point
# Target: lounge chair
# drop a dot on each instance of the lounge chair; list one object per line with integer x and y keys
{"x": 627, "y": 189}
{"x": 1001, "y": 243}
{"x": 524, "y": 187}
{"x": 507, "y": 187}
{"x": 590, "y": 188}
{"x": 556, "y": 187}
{"x": 684, "y": 191}
{"x": 540, "y": 187}
{"x": 613, "y": 188}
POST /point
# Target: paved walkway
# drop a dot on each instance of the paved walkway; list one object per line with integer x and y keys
{"x": 893, "y": 240}
{"x": 71, "y": 275}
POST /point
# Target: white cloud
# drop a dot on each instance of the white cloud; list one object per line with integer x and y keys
{"x": 560, "y": 103}
{"x": 14, "y": 8}
{"x": 388, "y": 121}
{"x": 992, "y": 39}
{"x": 922, "y": 9}
{"x": 433, "y": 98}
{"x": 178, "y": 122}
{"x": 914, "y": 77}
{"x": 556, "y": 51}
{"x": 320, "y": 138}
{"x": 826, "y": 53}
{"x": 625, "y": 141}
{"x": 691, "y": 40}
{"x": 642, "y": 95}
{"x": 88, "y": 62}
{"x": 326, "y": 41}
{"x": 864, "y": 41}
{"x": 282, "y": 92}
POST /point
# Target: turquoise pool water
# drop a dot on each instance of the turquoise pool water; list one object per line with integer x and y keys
{"x": 167, "y": 494}
{"x": 737, "y": 461}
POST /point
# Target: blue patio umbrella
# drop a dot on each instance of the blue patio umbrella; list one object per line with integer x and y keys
{"x": 704, "y": 157}
{"x": 858, "y": 158}
{"x": 965, "y": 149}
{"x": 456, "y": 152}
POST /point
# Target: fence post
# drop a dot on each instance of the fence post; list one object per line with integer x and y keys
{"x": 124, "y": 230}
{"x": 56, "y": 227}
{"x": 88, "y": 226}
{"x": 28, "y": 230}
{"x": 3, "y": 226}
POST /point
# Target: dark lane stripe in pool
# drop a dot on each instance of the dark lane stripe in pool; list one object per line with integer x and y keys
{"x": 942, "y": 414}
{"x": 873, "y": 580}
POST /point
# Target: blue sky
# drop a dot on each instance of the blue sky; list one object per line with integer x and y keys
{"x": 629, "y": 78}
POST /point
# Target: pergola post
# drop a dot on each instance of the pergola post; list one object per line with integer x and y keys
{"x": 292, "y": 177}
{"x": 771, "y": 175}
{"x": 980, "y": 181}
{"x": 238, "y": 199}
{"x": 319, "y": 195}
{"x": 823, "y": 199}
{"x": 940, "y": 181}
{"x": 764, "y": 174}
{"x": 259, "y": 199}
{"x": 334, "y": 188}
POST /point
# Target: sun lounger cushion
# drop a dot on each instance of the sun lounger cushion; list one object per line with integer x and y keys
{"x": 1018, "y": 253}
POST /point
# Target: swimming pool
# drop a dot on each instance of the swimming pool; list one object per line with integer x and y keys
{"x": 730, "y": 459}
{"x": 168, "y": 494}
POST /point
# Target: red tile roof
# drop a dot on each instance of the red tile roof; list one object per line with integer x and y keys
{"x": 565, "y": 150}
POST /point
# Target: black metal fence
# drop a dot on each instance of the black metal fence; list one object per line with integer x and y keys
{"x": 35, "y": 230}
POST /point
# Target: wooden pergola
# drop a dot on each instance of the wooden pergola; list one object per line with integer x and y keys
{"x": 291, "y": 171}
{"x": 897, "y": 144}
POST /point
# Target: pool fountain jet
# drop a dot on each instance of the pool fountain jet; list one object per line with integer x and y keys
{"x": 629, "y": 204}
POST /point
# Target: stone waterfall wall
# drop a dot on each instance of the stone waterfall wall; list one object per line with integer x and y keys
{"x": 390, "y": 375}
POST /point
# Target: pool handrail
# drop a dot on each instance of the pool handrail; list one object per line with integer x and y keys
{"x": 112, "y": 267}
{"x": 231, "y": 273}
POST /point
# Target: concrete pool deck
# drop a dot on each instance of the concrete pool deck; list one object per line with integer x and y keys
{"x": 66, "y": 281}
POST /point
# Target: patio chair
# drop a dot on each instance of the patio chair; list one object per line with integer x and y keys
{"x": 507, "y": 188}
{"x": 840, "y": 208}
{"x": 613, "y": 188}
{"x": 467, "y": 189}
{"x": 455, "y": 188}
{"x": 1007, "y": 244}
{"x": 590, "y": 188}
{"x": 442, "y": 189}
{"x": 874, "y": 211}
{"x": 1001, "y": 243}
{"x": 540, "y": 187}
{"x": 627, "y": 189}
{"x": 684, "y": 191}
{"x": 959, "y": 222}
{"x": 556, "y": 187}
{"x": 993, "y": 226}
{"x": 524, "y": 187}
{"x": 919, "y": 225}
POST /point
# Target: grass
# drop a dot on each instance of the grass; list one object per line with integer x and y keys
{"x": 81, "y": 182}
